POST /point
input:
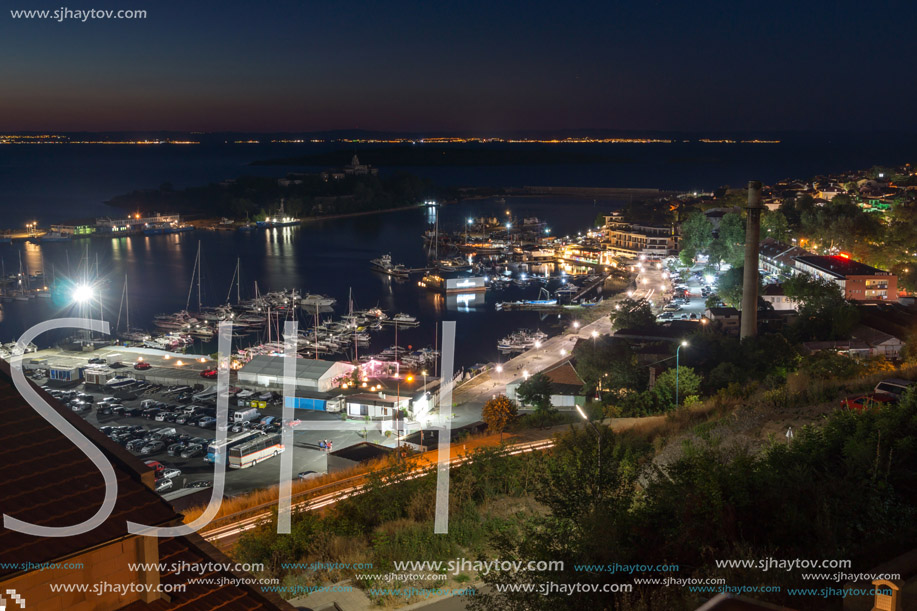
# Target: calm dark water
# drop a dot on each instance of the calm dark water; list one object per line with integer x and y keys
{"x": 330, "y": 257}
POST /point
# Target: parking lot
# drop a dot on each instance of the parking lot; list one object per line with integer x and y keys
{"x": 688, "y": 294}
{"x": 150, "y": 420}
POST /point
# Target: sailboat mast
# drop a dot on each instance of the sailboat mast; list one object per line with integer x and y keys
{"x": 127, "y": 304}
{"x": 198, "y": 275}
{"x": 238, "y": 278}
{"x": 120, "y": 307}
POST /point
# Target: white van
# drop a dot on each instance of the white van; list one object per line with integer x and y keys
{"x": 895, "y": 387}
{"x": 245, "y": 415}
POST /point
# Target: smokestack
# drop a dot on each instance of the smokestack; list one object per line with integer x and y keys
{"x": 749, "y": 326}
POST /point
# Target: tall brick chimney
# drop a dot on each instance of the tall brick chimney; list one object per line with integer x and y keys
{"x": 749, "y": 326}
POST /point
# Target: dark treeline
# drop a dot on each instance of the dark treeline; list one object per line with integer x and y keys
{"x": 256, "y": 197}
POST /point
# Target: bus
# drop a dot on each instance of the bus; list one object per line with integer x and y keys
{"x": 249, "y": 453}
{"x": 215, "y": 449}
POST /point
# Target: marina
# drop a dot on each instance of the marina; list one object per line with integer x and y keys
{"x": 350, "y": 302}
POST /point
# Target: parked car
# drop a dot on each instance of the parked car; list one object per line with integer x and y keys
{"x": 96, "y": 361}
{"x": 135, "y": 444}
{"x": 209, "y": 373}
{"x": 868, "y": 401}
{"x": 142, "y": 366}
{"x": 176, "y": 448}
{"x": 171, "y": 472}
{"x": 155, "y": 464}
{"x": 201, "y": 484}
{"x": 208, "y": 422}
{"x": 895, "y": 387}
{"x": 152, "y": 447}
{"x": 164, "y": 485}
{"x": 192, "y": 450}
{"x": 304, "y": 475}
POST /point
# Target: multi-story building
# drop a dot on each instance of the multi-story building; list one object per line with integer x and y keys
{"x": 631, "y": 240}
{"x": 858, "y": 281}
{"x": 778, "y": 258}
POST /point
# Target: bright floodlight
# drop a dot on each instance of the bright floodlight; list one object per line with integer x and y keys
{"x": 82, "y": 293}
{"x": 684, "y": 343}
{"x": 581, "y": 412}
{"x": 499, "y": 368}
{"x": 595, "y": 334}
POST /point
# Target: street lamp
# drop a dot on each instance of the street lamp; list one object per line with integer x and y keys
{"x": 598, "y": 438}
{"x": 677, "y": 350}
{"x": 81, "y": 293}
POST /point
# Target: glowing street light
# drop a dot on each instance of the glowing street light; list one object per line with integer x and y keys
{"x": 82, "y": 293}
{"x": 683, "y": 344}
{"x": 499, "y": 368}
{"x": 598, "y": 437}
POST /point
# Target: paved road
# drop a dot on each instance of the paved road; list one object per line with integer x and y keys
{"x": 469, "y": 398}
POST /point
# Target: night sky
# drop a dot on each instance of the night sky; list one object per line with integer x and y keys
{"x": 472, "y": 66}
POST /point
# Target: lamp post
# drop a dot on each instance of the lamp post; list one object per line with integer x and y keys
{"x": 598, "y": 438}
{"x": 677, "y": 350}
{"x": 470, "y": 221}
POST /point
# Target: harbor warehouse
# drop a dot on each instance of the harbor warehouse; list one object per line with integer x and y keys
{"x": 311, "y": 374}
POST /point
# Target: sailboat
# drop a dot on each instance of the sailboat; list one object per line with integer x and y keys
{"x": 134, "y": 335}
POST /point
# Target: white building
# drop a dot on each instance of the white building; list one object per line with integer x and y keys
{"x": 381, "y": 405}
{"x": 311, "y": 374}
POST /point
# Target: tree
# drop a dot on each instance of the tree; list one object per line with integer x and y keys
{"x": 536, "y": 391}
{"x": 774, "y": 225}
{"x": 499, "y": 413}
{"x": 729, "y": 287}
{"x": 696, "y": 233}
{"x": 688, "y": 386}
{"x": 824, "y": 314}
{"x": 633, "y": 314}
{"x": 729, "y": 245}
{"x": 600, "y": 219}
{"x": 609, "y": 363}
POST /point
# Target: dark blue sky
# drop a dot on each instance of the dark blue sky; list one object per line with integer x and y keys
{"x": 471, "y": 66}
